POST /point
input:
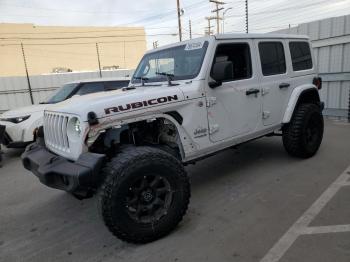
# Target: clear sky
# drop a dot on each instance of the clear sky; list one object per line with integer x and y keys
{"x": 159, "y": 16}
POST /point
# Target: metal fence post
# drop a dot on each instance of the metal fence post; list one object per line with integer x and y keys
{"x": 349, "y": 107}
{"x": 98, "y": 60}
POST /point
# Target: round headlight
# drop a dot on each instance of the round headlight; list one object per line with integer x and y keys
{"x": 76, "y": 125}
{"x": 74, "y": 128}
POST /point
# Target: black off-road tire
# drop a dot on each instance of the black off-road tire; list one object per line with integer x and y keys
{"x": 122, "y": 174}
{"x": 302, "y": 137}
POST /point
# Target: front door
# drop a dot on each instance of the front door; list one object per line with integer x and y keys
{"x": 234, "y": 108}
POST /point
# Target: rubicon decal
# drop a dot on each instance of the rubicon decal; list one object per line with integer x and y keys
{"x": 139, "y": 104}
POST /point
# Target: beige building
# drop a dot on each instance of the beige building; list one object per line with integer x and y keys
{"x": 50, "y": 47}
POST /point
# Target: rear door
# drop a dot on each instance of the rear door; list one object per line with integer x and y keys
{"x": 275, "y": 81}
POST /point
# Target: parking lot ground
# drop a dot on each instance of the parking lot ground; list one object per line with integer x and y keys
{"x": 244, "y": 205}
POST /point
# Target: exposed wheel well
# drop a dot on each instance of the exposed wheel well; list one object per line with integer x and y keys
{"x": 310, "y": 96}
{"x": 158, "y": 132}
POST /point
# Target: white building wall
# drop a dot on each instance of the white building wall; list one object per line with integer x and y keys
{"x": 331, "y": 41}
{"x": 14, "y": 91}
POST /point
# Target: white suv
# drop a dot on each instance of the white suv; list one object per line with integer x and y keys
{"x": 21, "y": 123}
{"x": 185, "y": 102}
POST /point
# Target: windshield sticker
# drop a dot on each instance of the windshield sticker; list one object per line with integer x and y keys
{"x": 193, "y": 46}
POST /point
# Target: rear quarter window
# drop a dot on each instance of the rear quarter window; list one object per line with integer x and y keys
{"x": 301, "y": 55}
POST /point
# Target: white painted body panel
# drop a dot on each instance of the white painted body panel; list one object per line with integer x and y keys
{"x": 23, "y": 132}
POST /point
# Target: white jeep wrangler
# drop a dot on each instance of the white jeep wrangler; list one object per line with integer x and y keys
{"x": 185, "y": 102}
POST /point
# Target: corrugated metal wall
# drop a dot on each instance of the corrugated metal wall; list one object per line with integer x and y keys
{"x": 331, "y": 41}
{"x": 14, "y": 90}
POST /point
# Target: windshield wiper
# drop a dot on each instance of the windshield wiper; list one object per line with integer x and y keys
{"x": 170, "y": 77}
{"x": 143, "y": 79}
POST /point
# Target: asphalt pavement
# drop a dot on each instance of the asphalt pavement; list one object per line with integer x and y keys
{"x": 254, "y": 203}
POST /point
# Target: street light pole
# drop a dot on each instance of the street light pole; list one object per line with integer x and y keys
{"x": 223, "y": 19}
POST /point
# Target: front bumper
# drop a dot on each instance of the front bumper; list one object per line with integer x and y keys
{"x": 57, "y": 172}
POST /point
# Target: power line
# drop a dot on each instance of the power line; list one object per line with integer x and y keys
{"x": 218, "y": 5}
{"x": 73, "y": 43}
{"x": 79, "y": 37}
{"x": 288, "y": 8}
{"x": 99, "y": 12}
{"x": 208, "y": 30}
{"x": 77, "y": 11}
{"x": 88, "y": 31}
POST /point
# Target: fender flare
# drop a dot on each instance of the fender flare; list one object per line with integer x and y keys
{"x": 183, "y": 143}
{"x": 294, "y": 99}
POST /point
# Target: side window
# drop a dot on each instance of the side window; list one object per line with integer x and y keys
{"x": 114, "y": 85}
{"x": 301, "y": 55}
{"x": 272, "y": 58}
{"x": 239, "y": 55}
{"x": 89, "y": 88}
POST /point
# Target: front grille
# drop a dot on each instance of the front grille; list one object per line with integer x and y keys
{"x": 55, "y": 130}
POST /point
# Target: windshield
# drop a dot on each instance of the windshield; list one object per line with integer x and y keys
{"x": 182, "y": 62}
{"x": 62, "y": 93}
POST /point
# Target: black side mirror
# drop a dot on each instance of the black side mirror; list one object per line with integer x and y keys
{"x": 221, "y": 71}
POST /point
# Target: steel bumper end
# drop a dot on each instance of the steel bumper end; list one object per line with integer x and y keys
{"x": 60, "y": 173}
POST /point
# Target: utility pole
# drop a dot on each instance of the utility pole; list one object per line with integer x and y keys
{"x": 155, "y": 44}
{"x": 218, "y": 8}
{"x": 179, "y": 19}
{"x": 28, "y": 80}
{"x": 208, "y": 29}
{"x": 190, "y": 28}
{"x": 246, "y": 16}
{"x": 98, "y": 59}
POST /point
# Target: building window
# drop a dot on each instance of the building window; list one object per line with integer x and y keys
{"x": 272, "y": 58}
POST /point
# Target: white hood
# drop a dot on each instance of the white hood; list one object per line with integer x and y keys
{"x": 99, "y": 102}
{"x": 24, "y": 111}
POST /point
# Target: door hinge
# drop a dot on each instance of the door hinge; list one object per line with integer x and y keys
{"x": 266, "y": 114}
{"x": 265, "y": 91}
{"x": 213, "y": 129}
{"x": 211, "y": 101}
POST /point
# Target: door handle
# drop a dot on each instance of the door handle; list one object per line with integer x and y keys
{"x": 252, "y": 91}
{"x": 284, "y": 85}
